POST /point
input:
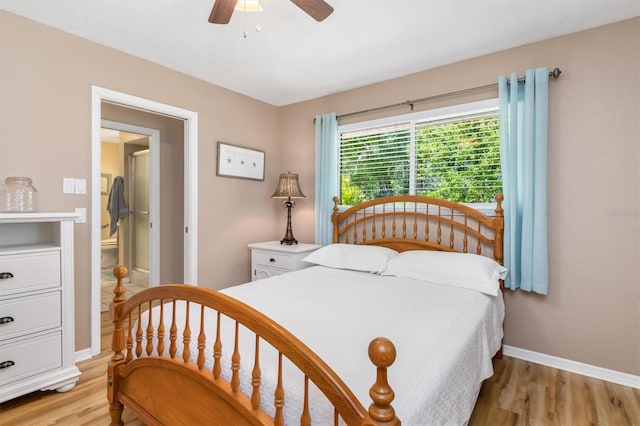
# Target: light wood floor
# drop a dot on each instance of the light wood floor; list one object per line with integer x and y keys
{"x": 519, "y": 393}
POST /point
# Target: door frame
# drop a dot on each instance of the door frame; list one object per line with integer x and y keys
{"x": 154, "y": 191}
{"x": 99, "y": 95}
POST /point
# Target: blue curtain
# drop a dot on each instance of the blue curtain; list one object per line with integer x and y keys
{"x": 326, "y": 174}
{"x": 523, "y": 145}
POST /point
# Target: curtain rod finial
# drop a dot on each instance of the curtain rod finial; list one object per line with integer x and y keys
{"x": 555, "y": 73}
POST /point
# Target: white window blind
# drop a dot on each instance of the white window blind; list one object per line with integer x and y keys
{"x": 456, "y": 157}
{"x": 374, "y": 162}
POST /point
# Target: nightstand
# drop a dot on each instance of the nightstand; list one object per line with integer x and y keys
{"x": 272, "y": 258}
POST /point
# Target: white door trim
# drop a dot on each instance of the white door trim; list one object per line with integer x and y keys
{"x": 154, "y": 191}
{"x": 99, "y": 95}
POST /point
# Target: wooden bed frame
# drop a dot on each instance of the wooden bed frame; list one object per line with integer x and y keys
{"x": 412, "y": 222}
{"x": 161, "y": 387}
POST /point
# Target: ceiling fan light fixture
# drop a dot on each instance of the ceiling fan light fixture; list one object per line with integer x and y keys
{"x": 223, "y": 9}
{"x": 248, "y": 6}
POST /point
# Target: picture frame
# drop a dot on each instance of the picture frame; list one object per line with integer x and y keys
{"x": 240, "y": 162}
{"x": 105, "y": 183}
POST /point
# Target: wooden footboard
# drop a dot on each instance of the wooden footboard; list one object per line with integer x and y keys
{"x": 155, "y": 373}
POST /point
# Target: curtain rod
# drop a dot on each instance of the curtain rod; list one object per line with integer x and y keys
{"x": 555, "y": 73}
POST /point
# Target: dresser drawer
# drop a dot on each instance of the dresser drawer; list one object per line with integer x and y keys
{"x": 29, "y": 357}
{"x": 19, "y": 316}
{"x": 29, "y": 271}
{"x": 277, "y": 260}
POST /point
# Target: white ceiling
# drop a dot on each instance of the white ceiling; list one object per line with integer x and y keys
{"x": 295, "y": 58}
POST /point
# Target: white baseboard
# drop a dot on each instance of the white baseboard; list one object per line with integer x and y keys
{"x": 600, "y": 373}
{"x": 82, "y": 354}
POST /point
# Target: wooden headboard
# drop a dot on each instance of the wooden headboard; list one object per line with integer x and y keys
{"x": 412, "y": 222}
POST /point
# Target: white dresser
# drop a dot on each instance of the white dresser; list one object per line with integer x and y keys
{"x": 272, "y": 258}
{"x": 36, "y": 303}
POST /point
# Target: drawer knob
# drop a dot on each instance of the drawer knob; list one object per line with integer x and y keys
{"x": 272, "y": 260}
{"x": 6, "y": 320}
{"x": 6, "y": 364}
{"x": 5, "y": 275}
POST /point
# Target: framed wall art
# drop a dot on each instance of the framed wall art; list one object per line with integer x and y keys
{"x": 236, "y": 161}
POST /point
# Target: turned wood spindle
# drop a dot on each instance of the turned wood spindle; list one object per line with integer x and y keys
{"x": 235, "y": 362}
{"x": 186, "y": 336}
{"x": 202, "y": 339}
{"x": 173, "y": 332}
{"x": 278, "y": 396}
{"x": 161, "y": 329}
{"x": 217, "y": 351}
{"x": 255, "y": 377}
{"x": 139, "y": 334}
{"x": 149, "y": 335}
{"x": 451, "y": 233}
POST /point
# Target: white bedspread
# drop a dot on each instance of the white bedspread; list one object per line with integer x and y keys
{"x": 445, "y": 338}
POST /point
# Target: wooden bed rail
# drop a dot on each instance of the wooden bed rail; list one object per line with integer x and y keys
{"x": 162, "y": 386}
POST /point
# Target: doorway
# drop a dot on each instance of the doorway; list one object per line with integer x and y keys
{"x": 187, "y": 226}
{"x": 129, "y": 156}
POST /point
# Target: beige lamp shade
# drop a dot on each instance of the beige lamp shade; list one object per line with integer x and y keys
{"x": 288, "y": 186}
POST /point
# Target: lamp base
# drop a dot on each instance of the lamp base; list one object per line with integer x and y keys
{"x": 288, "y": 236}
{"x": 288, "y": 241}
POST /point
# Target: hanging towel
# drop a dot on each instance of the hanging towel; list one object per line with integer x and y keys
{"x": 117, "y": 205}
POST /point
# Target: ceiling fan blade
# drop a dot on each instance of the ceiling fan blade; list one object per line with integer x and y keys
{"x": 222, "y": 11}
{"x": 317, "y": 9}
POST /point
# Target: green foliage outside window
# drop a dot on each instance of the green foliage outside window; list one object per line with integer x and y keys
{"x": 375, "y": 166}
{"x": 459, "y": 161}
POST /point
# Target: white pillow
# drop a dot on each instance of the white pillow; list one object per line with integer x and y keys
{"x": 352, "y": 256}
{"x": 465, "y": 270}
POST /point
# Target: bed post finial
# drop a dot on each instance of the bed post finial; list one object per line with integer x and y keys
{"x": 120, "y": 272}
{"x": 499, "y": 211}
{"x": 382, "y": 353}
{"x": 334, "y": 219}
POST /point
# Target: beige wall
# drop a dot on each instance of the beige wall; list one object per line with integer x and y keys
{"x": 45, "y": 117}
{"x": 592, "y": 311}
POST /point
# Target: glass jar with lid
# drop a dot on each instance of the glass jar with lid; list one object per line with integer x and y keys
{"x": 18, "y": 195}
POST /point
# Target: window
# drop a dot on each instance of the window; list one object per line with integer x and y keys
{"x": 451, "y": 153}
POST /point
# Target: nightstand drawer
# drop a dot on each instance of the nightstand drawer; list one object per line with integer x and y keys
{"x": 29, "y": 271}
{"x": 265, "y": 272}
{"x": 29, "y": 357}
{"x": 278, "y": 260}
{"x": 29, "y": 314}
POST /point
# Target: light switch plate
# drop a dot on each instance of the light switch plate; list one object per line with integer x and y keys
{"x": 68, "y": 186}
{"x": 83, "y": 215}
{"x": 81, "y": 186}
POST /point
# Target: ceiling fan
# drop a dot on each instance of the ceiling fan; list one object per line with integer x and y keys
{"x": 223, "y": 9}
